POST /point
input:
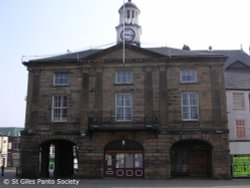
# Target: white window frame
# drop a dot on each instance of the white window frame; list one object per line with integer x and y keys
{"x": 188, "y": 73}
{"x": 61, "y": 79}
{"x": 124, "y": 107}
{"x": 124, "y": 77}
{"x": 61, "y": 108}
{"x": 189, "y": 107}
{"x": 239, "y": 101}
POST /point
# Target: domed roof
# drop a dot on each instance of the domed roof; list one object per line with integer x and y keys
{"x": 129, "y": 4}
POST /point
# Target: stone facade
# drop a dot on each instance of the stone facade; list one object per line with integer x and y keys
{"x": 157, "y": 116}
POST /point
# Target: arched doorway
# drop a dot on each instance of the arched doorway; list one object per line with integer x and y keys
{"x": 191, "y": 158}
{"x": 123, "y": 158}
{"x": 58, "y": 158}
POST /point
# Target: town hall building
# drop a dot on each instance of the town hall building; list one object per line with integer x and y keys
{"x": 126, "y": 111}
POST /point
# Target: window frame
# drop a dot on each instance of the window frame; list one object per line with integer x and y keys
{"x": 62, "y": 108}
{"x": 186, "y": 71}
{"x": 127, "y": 76}
{"x": 190, "y": 106}
{"x": 239, "y": 103}
{"x": 124, "y": 115}
{"x": 240, "y": 129}
{"x": 62, "y": 81}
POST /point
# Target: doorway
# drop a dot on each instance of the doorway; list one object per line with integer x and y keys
{"x": 191, "y": 158}
{"x": 58, "y": 158}
{"x": 123, "y": 159}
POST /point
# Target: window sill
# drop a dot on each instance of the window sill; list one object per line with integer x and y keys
{"x": 123, "y": 120}
{"x": 239, "y": 109}
{"x": 59, "y": 122}
{"x": 190, "y": 121}
{"x": 187, "y": 83}
{"x": 126, "y": 84}
{"x": 63, "y": 85}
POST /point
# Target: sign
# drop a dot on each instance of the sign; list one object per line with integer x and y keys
{"x": 241, "y": 166}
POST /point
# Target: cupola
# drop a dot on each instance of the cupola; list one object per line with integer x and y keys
{"x": 129, "y": 30}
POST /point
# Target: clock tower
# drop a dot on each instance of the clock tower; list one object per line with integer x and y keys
{"x": 128, "y": 29}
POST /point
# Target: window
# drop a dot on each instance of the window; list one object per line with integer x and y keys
{"x": 238, "y": 101}
{"x": 59, "y": 108}
{"x": 123, "y": 77}
{"x": 240, "y": 129}
{"x": 123, "y": 105}
{"x": 249, "y": 101}
{"x": 16, "y": 146}
{"x": 189, "y": 105}
{"x": 125, "y": 164}
{"x": 128, "y": 14}
{"x": 61, "y": 79}
{"x": 10, "y": 145}
{"x": 188, "y": 75}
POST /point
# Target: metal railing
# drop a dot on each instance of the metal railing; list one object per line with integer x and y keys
{"x": 115, "y": 120}
{"x": 112, "y": 123}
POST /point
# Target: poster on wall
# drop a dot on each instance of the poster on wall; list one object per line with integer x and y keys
{"x": 241, "y": 166}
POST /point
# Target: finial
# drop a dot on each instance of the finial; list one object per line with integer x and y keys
{"x": 129, "y": 1}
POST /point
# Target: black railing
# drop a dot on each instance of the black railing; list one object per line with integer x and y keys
{"x": 112, "y": 123}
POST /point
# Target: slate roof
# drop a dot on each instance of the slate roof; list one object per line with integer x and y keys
{"x": 69, "y": 56}
{"x": 161, "y": 51}
{"x": 238, "y": 77}
{"x": 233, "y": 56}
{"x": 173, "y": 52}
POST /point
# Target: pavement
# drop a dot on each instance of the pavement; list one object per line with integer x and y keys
{"x": 9, "y": 180}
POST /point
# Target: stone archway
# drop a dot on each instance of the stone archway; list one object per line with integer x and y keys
{"x": 123, "y": 159}
{"x": 58, "y": 158}
{"x": 191, "y": 158}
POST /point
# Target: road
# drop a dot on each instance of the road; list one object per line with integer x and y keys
{"x": 9, "y": 181}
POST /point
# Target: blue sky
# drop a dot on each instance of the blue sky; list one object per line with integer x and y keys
{"x": 49, "y": 27}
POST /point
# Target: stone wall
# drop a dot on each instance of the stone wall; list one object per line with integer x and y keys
{"x": 156, "y": 93}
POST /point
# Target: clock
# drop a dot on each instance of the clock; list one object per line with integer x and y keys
{"x": 128, "y": 34}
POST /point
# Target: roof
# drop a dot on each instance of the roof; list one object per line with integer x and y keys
{"x": 161, "y": 52}
{"x": 129, "y": 4}
{"x": 171, "y": 52}
{"x": 237, "y": 69}
{"x": 11, "y": 131}
{"x": 69, "y": 56}
{"x": 234, "y": 56}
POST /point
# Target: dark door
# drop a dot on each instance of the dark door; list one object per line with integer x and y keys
{"x": 198, "y": 163}
{"x": 191, "y": 158}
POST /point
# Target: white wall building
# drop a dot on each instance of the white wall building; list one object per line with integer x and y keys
{"x": 239, "y": 120}
{"x": 237, "y": 82}
{"x": 3, "y": 150}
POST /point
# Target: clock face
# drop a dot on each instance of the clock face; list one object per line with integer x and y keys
{"x": 128, "y": 34}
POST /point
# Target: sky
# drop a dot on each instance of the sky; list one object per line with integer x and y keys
{"x": 41, "y": 28}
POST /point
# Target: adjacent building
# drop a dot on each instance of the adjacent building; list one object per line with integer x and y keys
{"x": 126, "y": 111}
{"x": 3, "y": 150}
{"x": 237, "y": 79}
{"x": 12, "y": 141}
{"x": 11, "y": 131}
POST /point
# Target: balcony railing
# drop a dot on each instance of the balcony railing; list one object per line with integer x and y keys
{"x": 112, "y": 124}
